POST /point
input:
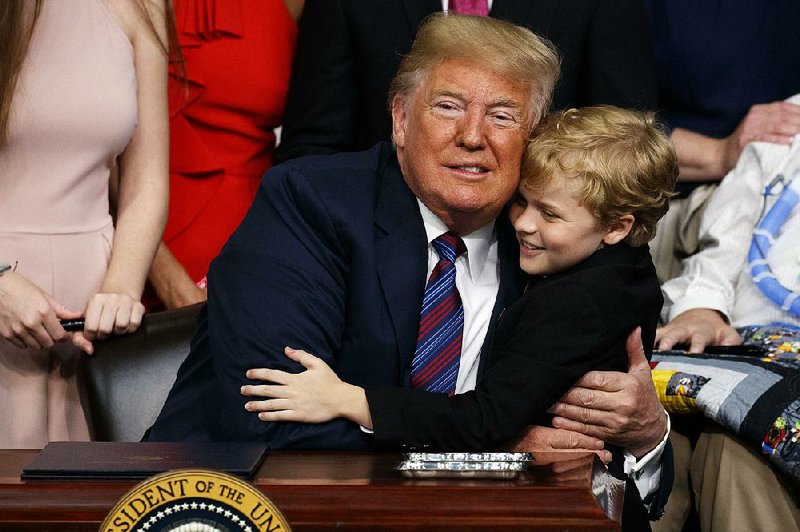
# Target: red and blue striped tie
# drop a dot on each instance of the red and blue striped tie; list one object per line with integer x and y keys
{"x": 441, "y": 323}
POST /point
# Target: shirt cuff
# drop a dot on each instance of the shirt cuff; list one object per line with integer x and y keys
{"x": 646, "y": 472}
{"x": 700, "y": 298}
{"x": 365, "y": 430}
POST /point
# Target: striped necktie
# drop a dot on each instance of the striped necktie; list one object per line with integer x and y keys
{"x": 469, "y": 7}
{"x": 441, "y": 322}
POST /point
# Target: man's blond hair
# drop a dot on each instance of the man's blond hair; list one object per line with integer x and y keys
{"x": 618, "y": 161}
{"x": 501, "y": 47}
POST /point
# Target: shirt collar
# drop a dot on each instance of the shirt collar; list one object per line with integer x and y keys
{"x": 477, "y": 242}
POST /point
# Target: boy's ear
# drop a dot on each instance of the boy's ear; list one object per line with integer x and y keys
{"x": 619, "y": 229}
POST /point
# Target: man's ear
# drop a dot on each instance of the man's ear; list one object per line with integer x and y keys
{"x": 619, "y": 229}
{"x": 399, "y": 120}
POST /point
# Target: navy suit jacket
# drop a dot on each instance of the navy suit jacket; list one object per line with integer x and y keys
{"x": 348, "y": 52}
{"x": 331, "y": 258}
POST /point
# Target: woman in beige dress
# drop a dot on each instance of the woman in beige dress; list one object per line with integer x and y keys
{"x": 82, "y": 99}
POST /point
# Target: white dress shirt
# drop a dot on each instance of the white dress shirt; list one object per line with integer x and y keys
{"x": 477, "y": 281}
{"x": 718, "y": 277}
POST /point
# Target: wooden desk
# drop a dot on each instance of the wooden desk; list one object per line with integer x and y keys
{"x": 318, "y": 490}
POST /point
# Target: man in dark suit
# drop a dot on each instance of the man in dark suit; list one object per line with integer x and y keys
{"x": 334, "y": 254}
{"x": 348, "y": 52}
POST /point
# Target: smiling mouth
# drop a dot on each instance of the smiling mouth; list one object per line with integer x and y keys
{"x": 474, "y": 170}
{"x": 530, "y": 246}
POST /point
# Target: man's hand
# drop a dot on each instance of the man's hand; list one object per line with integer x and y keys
{"x": 775, "y": 122}
{"x": 618, "y": 408}
{"x": 699, "y": 328}
{"x": 547, "y": 440}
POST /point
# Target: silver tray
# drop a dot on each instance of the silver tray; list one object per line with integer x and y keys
{"x": 461, "y": 469}
{"x": 469, "y": 457}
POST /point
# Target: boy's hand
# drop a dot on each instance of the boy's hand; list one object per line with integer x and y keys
{"x": 313, "y": 396}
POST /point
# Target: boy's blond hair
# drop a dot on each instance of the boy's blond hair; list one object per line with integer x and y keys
{"x": 619, "y": 160}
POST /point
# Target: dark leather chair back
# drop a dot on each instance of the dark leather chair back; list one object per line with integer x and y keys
{"x": 129, "y": 376}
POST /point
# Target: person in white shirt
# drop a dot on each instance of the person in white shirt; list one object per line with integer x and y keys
{"x": 716, "y": 292}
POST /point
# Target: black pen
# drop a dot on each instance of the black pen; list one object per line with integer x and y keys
{"x": 73, "y": 325}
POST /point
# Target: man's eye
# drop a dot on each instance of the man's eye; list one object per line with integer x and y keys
{"x": 503, "y": 119}
{"x": 446, "y": 106}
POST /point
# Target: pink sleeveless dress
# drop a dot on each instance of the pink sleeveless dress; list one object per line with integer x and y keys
{"x": 73, "y": 113}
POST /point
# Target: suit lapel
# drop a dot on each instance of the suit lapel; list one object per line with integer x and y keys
{"x": 417, "y": 10}
{"x": 400, "y": 247}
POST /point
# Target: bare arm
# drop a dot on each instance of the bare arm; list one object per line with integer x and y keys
{"x": 703, "y": 158}
{"x": 313, "y": 396}
{"x": 143, "y": 182}
{"x": 171, "y": 281}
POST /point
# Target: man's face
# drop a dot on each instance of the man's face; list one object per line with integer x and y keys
{"x": 460, "y": 137}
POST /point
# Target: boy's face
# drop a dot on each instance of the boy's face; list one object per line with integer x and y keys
{"x": 554, "y": 231}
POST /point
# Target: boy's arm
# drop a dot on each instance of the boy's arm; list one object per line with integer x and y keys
{"x": 560, "y": 336}
{"x": 315, "y": 395}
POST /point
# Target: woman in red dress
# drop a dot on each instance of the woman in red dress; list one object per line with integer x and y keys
{"x": 223, "y": 110}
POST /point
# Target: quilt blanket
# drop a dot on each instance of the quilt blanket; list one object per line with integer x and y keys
{"x": 756, "y": 397}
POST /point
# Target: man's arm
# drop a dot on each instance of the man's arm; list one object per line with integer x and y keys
{"x": 698, "y": 302}
{"x": 619, "y": 408}
{"x": 323, "y": 95}
{"x": 703, "y": 158}
{"x": 281, "y": 280}
{"x": 623, "y": 409}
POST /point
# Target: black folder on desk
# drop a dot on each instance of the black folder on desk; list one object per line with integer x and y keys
{"x": 125, "y": 460}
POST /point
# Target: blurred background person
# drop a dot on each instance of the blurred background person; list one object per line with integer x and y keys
{"x": 224, "y": 105}
{"x": 715, "y": 293}
{"x": 725, "y": 68}
{"x": 83, "y": 95}
{"x": 348, "y": 52}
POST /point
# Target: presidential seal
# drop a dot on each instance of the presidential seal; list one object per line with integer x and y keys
{"x": 189, "y": 500}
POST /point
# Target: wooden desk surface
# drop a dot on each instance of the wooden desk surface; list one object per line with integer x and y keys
{"x": 322, "y": 490}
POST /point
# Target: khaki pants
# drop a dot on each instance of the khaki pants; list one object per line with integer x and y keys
{"x": 677, "y": 233}
{"x": 734, "y": 488}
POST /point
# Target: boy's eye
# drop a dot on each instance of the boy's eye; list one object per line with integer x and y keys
{"x": 549, "y": 216}
{"x": 519, "y": 199}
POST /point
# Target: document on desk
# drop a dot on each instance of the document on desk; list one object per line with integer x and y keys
{"x": 125, "y": 460}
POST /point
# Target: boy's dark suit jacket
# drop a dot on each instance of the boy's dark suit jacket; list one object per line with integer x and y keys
{"x": 564, "y": 326}
{"x": 348, "y": 52}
